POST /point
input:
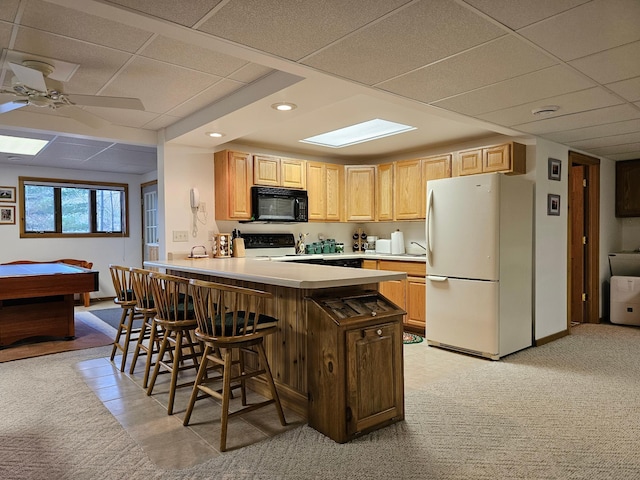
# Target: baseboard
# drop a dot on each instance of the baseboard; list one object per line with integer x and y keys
{"x": 551, "y": 338}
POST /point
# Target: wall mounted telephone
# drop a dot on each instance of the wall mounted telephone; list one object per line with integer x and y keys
{"x": 195, "y": 198}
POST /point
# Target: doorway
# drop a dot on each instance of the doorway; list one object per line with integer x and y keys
{"x": 149, "y": 205}
{"x": 584, "y": 239}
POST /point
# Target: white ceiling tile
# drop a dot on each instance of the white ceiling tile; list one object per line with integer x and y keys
{"x": 612, "y": 65}
{"x": 250, "y": 72}
{"x": 160, "y": 86}
{"x": 82, "y": 141}
{"x": 5, "y": 35}
{"x": 71, "y": 23}
{"x": 519, "y": 13}
{"x": 628, "y": 89}
{"x": 549, "y": 82}
{"x": 596, "y": 131}
{"x": 184, "y": 12}
{"x": 207, "y": 97}
{"x": 161, "y": 121}
{"x": 68, "y": 152}
{"x": 625, "y": 156}
{"x": 417, "y": 35}
{"x": 569, "y": 103}
{"x": 293, "y": 29}
{"x": 616, "y": 149}
{"x": 9, "y": 10}
{"x": 625, "y": 139}
{"x": 589, "y": 28}
{"x": 493, "y": 62}
{"x": 97, "y": 64}
{"x": 191, "y": 56}
{"x": 581, "y": 119}
{"x": 123, "y": 116}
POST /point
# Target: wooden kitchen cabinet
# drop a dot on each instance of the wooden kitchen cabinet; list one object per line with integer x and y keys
{"x": 628, "y": 188}
{"x": 233, "y": 172}
{"x": 433, "y": 168}
{"x": 416, "y": 304}
{"x": 279, "y": 172}
{"x": 409, "y": 294}
{"x": 355, "y": 365}
{"x": 408, "y": 189}
{"x": 360, "y": 186}
{"x": 507, "y": 158}
{"x": 384, "y": 192}
{"x": 324, "y": 188}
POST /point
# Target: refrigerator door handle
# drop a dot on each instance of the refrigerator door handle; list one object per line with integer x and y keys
{"x": 437, "y": 278}
{"x": 429, "y": 207}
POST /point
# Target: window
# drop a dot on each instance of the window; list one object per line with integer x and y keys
{"x": 58, "y": 208}
{"x": 151, "y": 217}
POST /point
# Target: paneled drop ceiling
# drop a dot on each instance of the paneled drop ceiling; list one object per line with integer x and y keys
{"x": 458, "y": 70}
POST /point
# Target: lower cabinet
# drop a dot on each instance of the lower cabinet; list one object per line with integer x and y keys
{"x": 409, "y": 294}
{"x": 355, "y": 365}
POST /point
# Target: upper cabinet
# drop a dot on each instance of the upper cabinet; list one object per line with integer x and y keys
{"x": 384, "y": 192}
{"x": 360, "y": 186}
{"x": 279, "y": 172}
{"x": 233, "y": 173}
{"x": 433, "y": 168}
{"x": 628, "y": 188}
{"x": 507, "y": 158}
{"x": 408, "y": 189}
{"x": 324, "y": 187}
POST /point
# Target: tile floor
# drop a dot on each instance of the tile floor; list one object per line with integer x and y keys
{"x": 145, "y": 417}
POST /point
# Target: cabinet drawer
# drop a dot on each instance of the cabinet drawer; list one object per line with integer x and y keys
{"x": 415, "y": 269}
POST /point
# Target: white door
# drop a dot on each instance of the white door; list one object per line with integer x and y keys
{"x": 463, "y": 314}
{"x": 462, "y": 227}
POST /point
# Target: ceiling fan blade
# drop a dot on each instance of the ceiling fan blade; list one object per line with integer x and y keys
{"x": 111, "y": 102}
{"x": 85, "y": 117}
{"x": 29, "y": 77}
{"x": 7, "y": 107}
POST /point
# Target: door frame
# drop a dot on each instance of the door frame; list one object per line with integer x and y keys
{"x": 142, "y": 187}
{"x": 592, "y": 260}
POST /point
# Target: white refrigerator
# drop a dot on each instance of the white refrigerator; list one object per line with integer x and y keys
{"x": 479, "y": 231}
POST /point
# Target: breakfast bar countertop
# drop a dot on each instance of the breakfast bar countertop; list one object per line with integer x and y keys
{"x": 284, "y": 274}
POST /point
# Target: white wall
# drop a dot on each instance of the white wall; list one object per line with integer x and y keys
{"x": 180, "y": 169}
{"x": 99, "y": 250}
{"x": 630, "y": 234}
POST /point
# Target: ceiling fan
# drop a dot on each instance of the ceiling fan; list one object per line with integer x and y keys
{"x": 33, "y": 88}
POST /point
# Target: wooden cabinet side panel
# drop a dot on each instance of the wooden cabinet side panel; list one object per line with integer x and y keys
{"x": 334, "y": 192}
{"x": 384, "y": 191}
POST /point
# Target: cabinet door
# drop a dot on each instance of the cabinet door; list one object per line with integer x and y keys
{"x": 395, "y": 291}
{"x": 496, "y": 159}
{"x": 469, "y": 162}
{"x": 384, "y": 192}
{"x": 266, "y": 170}
{"x": 416, "y": 303}
{"x": 360, "y": 186}
{"x": 316, "y": 190}
{"x": 408, "y": 186}
{"x": 374, "y": 376}
{"x": 233, "y": 179}
{"x": 628, "y": 188}
{"x": 433, "y": 168}
{"x": 334, "y": 181}
{"x": 293, "y": 173}
{"x": 370, "y": 264}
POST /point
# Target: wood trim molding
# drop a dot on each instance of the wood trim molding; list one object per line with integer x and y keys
{"x": 551, "y": 338}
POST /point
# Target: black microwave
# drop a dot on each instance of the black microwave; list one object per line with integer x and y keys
{"x": 269, "y": 204}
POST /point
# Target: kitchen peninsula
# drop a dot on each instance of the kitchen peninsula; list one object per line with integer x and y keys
{"x": 297, "y": 361}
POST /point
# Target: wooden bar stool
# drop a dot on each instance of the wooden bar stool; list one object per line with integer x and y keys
{"x": 125, "y": 297}
{"x": 176, "y": 317}
{"x": 150, "y": 334}
{"x": 230, "y": 319}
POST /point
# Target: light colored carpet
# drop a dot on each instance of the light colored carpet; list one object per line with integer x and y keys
{"x": 566, "y": 410}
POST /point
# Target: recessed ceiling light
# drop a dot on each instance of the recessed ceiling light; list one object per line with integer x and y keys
{"x": 284, "y": 106}
{"x": 546, "y": 110}
{"x": 21, "y": 145}
{"x": 358, "y": 133}
{"x": 215, "y": 134}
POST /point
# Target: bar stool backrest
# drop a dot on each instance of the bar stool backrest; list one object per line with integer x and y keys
{"x": 228, "y": 312}
{"x": 142, "y": 289}
{"x": 172, "y": 299}
{"x": 121, "y": 278}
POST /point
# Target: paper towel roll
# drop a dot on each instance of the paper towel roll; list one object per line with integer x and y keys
{"x": 397, "y": 243}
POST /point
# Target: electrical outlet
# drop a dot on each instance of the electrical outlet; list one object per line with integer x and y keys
{"x": 202, "y": 207}
{"x": 180, "y": 236}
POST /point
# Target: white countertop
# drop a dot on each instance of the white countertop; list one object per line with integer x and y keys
{"x": 281, "y": 273}
{"x": 406, "y": 257}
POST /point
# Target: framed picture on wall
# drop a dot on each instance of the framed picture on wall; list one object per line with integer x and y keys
{"x": 8, "y": 194}
{"x": 554, "y": 169}
{"x": 7, "y": 215}
{"x": 553, "y": 204}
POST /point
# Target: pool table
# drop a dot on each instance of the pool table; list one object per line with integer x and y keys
{"x": 36, "y": 299}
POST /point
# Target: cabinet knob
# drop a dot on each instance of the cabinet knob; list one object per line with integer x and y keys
{"x": 379, "y": 332}
{"x": 373, "y": 314}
